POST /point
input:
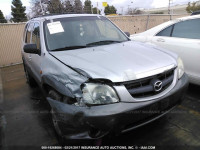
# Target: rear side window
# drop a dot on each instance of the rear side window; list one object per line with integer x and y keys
{"x": 166, "y": 32}
{"x": 187, "y": 29}
{"x": 28, "y": 33}
{"x": 36, "y": 35}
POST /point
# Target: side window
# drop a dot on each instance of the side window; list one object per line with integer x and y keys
{"x": 28, "y": 33}
{"x": 36, "y": 35}
{"x": 166, "y": 32}
{"x": 187, "y": 29}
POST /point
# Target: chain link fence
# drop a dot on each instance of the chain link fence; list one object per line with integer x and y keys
{"x": 11, "y": 34}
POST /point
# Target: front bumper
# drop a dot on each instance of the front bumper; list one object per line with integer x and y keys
{"x": 97, "y": 121}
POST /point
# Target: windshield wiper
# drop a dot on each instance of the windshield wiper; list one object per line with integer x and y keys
{"x": 103, "y": 42}
{"x": 68, "y": 48}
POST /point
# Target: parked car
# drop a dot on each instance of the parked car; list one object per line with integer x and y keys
{"x": 195, "y": 13}
{"x": 96, "y": 79}
{"x": 181, "y": 36}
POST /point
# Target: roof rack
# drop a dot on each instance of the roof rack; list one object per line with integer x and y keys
{"x": 52, "y": 14}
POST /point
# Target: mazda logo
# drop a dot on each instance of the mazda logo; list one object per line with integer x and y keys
{"x": 158, "y": 86}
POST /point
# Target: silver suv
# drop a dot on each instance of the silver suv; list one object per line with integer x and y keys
{"x": 96, "y": 80}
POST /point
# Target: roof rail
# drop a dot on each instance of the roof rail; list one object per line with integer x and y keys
{"x": 52, "y": 14}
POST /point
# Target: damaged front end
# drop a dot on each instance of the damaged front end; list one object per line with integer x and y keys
{"x": 99, "y": 110}
{"x": 75, "y": 92}
{"x": 73, "y": 123}
{"x": 77, "y": 118}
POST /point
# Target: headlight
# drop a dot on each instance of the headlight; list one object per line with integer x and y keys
{"x": 96, "y": 94}
{"x": 180, "y": 68}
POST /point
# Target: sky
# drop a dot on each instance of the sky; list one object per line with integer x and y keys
{"x": 5, "y": 5}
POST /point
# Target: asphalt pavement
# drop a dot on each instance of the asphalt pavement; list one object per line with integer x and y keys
{"x": 27, "y": 121}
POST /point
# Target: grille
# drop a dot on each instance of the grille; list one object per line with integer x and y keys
{"x": 145, "y": 87}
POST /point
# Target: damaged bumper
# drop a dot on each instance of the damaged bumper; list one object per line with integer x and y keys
{"x": 97, "y": 121}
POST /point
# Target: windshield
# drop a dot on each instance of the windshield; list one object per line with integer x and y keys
{"x": 80, "y": 32}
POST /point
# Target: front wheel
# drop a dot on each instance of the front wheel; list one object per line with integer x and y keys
{"x": 55, "y": 96}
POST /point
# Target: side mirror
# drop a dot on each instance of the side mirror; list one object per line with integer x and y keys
{"x": 128, "y": 34}
{"x": 31, "y": 48}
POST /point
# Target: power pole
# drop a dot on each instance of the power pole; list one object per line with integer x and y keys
{"x": 169, "y": 10}
{"x": 122, "y": 10}
{"x": 128, "y": 8}
{"x": 97, "y": 8}
{"x": 132, "y": 6}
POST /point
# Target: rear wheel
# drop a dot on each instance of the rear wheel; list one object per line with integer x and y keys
{"x": 29, "y": 79}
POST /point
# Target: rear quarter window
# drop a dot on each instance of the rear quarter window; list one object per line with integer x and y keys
{"x": 166, "y": 32}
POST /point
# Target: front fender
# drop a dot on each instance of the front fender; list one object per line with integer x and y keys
{"x": 57, "y": 85}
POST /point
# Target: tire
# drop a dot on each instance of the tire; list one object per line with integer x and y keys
{"x": 57, "y": 128}
{"x": 55, "y": 96}
{"x": 29, "y": 79}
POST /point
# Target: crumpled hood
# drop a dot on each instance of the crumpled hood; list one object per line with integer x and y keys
{"x": 116, "y": 62}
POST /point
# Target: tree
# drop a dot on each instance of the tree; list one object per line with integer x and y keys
{"x": 135, "y": 11}
{"x": 2, "y": 18}
{"x": 113, "y": 10}
{"x": 55, "y": 6}
{"x": 36, "y": 9}
{"x": 88, "y": 7}
{"x": 157, "y": 12}
{"x": 95, "y": 10}
{"x": 107, "y": 10}
{"x": 78, "y": 8}
{"x": 68, "y": 7}
{"x": 110, "y": 10}
{"x": 18, "y": 11}
{"x": 192, "y": 7}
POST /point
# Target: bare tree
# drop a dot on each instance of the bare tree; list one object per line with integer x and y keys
{"x": 38, "y": 8}
{"x": 134, "y": 11}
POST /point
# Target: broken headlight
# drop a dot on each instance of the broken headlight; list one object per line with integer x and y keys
{"x": 97, "y": 94}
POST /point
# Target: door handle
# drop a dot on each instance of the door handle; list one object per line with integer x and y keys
{"x": 160, "y": 40}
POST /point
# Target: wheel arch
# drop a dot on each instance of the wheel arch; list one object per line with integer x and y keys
{"x": 50, "y": 83}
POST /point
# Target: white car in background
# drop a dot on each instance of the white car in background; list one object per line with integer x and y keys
{"x": 181, "y": 36}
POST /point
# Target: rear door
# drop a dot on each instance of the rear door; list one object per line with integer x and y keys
{"x": 183, "y": 38}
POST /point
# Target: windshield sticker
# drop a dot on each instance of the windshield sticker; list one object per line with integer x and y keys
{"x": 55, "y": 27}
